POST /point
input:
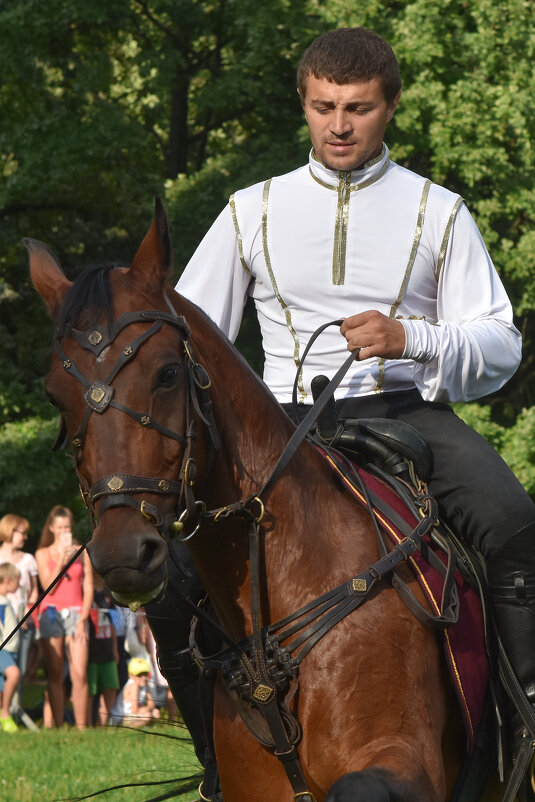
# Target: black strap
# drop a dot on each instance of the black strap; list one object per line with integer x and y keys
{"x": 314, "y": 412}
{"x": 285, "y": 751}
{"x": 525, "y": 708}
{"x": 449, "y": 606}
{"x": 338, "y": 603}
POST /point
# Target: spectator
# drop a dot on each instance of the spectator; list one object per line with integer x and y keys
{"x": 9, "y": 671}
{"x": 64, "y": 614}
{"x": 134, "y": 705}
{"x": 14, "y": 531}
{"x": 102, "y": 673}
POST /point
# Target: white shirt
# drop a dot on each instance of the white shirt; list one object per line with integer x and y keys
{"x": 28, "y": 569}
{"x": 316, "y": 245}
{"x": 8, "y": 622}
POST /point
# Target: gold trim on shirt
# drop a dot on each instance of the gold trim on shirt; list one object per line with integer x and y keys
{"x": 369, "y": 163}
{"x": 344, "y": 189}
{"x": 287, "y": 313}
{"x": 403, "y": 288}
{"x": 340, "y": 229}
{"x": 232, "y": 204}
{"x": 446, "y": 237}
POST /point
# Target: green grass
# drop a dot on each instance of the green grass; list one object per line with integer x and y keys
{"x": 52, "y": 765}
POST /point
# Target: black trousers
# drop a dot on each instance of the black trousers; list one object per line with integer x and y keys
{"x": 476, "y": 491}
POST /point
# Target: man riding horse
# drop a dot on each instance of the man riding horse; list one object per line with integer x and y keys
{"x": 354, "y": 235}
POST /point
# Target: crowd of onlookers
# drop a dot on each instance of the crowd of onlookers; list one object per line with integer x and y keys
{"x": 99, "y": 657}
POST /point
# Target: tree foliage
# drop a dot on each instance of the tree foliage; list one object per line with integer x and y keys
{"x": 30, "y": 487}
{"x": 103, "y": 105}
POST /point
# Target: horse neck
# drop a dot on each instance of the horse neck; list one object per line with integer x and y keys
{"x": 313, "y": 535}
{"x": 252, "y": 426}
{"x": 254, "y": 431}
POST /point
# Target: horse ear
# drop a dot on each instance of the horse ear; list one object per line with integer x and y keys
{"x": 154, "y": 257}
{"x": 47, "y": 275}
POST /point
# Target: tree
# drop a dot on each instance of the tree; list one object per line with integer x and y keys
{"x": 107, "y": 102}
{"x": 103, "y": 105}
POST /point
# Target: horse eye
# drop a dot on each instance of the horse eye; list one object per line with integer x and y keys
{"x": 168, "y": 376}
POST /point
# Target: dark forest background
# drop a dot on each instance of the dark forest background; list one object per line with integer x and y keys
{"x": 105, "y": 105}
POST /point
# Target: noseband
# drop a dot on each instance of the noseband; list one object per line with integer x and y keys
{"x": 118, "y": 489}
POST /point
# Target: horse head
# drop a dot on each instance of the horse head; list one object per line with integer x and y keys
{"x": 126, "y": 384}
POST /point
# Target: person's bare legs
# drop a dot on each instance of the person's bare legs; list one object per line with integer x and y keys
{"x": 53, "y": 656}
{"x": 11, "y": 680}
{"x": 107, "y": 699}
{"x": 77, "y": 648}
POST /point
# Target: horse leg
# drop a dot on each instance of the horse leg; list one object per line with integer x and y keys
{"x": 396, "y": 774}
{"x": 370, "y": 785}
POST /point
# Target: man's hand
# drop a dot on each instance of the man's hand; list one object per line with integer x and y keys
{"x": 375, "y": 334}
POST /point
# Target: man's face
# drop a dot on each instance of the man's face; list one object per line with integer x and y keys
{"x": 346, "y": 121}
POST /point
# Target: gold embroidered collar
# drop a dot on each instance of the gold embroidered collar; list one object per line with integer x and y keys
{"x": 355, "y": 179}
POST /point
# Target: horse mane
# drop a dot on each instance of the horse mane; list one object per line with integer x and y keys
{"x": 89, "y": 296}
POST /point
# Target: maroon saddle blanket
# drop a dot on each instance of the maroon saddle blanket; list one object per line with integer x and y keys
{"x": 464, "y": 642}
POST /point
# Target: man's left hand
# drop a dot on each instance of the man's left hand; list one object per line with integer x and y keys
{"x": 375, "y": 334}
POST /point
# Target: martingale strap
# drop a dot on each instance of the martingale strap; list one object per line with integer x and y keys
{"x": 261, "y": 679}
{"x": 326, "y": 611}
{"x": 382, "y": 513}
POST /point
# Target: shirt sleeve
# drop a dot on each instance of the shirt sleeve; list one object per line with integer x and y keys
{"x": 217, "y": 278}
{"x": 474, "y": 348}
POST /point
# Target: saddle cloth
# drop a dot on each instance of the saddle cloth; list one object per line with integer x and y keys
{"x": 464, "y": 642}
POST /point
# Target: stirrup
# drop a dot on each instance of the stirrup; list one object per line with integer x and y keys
{"x": 523, "y": 766}
{"x": 217, "y": 797}
{"x": 201, "y": 795}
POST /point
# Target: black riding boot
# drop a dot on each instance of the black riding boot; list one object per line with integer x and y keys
{"x": 169, "y": 618}
{"x": 514, "y": 612}
{"x": 194, "y": 698}
{"x": 183, "y": 678}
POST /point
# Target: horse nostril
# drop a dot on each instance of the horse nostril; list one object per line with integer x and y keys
{"x": 150, "y": 555}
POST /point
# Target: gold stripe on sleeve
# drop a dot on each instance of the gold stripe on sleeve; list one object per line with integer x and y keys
{"x": 446, "y": 237}
{"x": 287, "y": 313}
{"x": 402, "y": 290}
{"x": 232, "y": 204}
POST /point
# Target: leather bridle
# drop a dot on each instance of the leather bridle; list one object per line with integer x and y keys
{"x": 119, "y": 489}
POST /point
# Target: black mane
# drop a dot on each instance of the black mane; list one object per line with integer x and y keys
{"x": 90, "y": 296}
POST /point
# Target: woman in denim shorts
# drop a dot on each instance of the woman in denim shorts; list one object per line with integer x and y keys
{"x": 63, "y": 615}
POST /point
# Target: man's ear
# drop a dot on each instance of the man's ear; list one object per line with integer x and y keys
{"x": 393, "y": 106}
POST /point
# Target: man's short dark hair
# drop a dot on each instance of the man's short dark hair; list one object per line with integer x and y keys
{"x": 350, "y": 55}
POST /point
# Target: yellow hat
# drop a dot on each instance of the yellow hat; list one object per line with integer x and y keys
{"x": 138, "y": 665}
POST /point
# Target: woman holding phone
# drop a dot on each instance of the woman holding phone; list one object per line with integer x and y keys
{"x": 63, "y": 614}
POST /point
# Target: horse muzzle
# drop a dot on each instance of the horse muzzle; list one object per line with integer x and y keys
{"x": 131, "y": 564}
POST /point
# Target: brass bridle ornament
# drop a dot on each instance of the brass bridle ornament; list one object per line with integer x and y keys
{"x": 119, "y": 489}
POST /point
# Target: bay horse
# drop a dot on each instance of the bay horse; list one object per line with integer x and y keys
{"x": 373, "y": 697}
